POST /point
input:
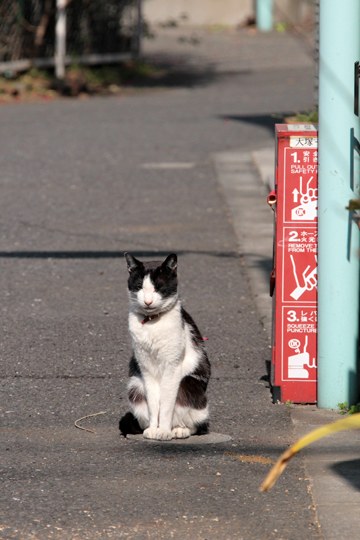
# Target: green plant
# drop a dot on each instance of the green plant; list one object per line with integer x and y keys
{"x": 310, "y": 116}
{"x": 354, "y": 408}
{"x": 345, "y": 408}
{"x": 281, "y": 27}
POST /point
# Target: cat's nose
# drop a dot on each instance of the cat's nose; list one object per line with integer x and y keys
{"x": 148, "y": 302}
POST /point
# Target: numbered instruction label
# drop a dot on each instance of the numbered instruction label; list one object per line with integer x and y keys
{"x": 300, "y": 186}
{"x": 299, "y": 343}
{"x": 299, "y": 264}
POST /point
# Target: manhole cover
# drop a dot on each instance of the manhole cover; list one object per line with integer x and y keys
{"x": 209, "y": 438}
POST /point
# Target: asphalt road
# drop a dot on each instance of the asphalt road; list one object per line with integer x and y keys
{"x": 82, "y": 181}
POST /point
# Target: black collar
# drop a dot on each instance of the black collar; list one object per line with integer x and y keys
{"x": 150, "y": 318}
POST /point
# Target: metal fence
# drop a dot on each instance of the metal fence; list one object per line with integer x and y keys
{"x": 44, "y": 33}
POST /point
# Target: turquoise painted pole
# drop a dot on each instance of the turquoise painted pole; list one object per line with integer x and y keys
{"x": 264, "y": 15}
{"x": 338, "y": 258}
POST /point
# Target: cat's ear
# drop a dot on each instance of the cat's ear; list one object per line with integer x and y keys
{"x": 131, "y": 262}
{"x": 171, "y": 262}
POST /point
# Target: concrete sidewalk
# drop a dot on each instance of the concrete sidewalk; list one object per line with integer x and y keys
{"x": 333, "y": 464}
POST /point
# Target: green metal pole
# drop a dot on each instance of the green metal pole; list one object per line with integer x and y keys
{"x": 338, "y": 258}
{"x": 264, "y": 15}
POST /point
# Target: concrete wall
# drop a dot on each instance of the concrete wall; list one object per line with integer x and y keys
{"x": 223, "y": 12}
{"x": 294, "y": 11}
{"x": 198, "y": 12}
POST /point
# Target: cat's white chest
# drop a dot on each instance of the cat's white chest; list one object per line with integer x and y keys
{"x": 158, "y": 342}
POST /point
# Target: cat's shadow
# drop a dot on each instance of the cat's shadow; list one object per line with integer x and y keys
{"x": 169, "y": 449}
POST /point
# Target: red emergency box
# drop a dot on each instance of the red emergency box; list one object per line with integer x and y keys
{"x": 294, "y": 277}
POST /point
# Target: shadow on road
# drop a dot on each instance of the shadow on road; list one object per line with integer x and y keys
{"x": 106, "y": 254}
{"x": 349, "y": 470}
{"x": 267, "y": 121}
{"x": 171, "y": 70}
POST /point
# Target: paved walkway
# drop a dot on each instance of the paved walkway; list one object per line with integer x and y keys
{"x": 331, "y": 464}
{"x": 84, "y": 181}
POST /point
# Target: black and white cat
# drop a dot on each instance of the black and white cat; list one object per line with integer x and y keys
{"x": 169, "y": 370}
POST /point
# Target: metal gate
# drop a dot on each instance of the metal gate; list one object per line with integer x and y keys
{"x": 34, "y": 32}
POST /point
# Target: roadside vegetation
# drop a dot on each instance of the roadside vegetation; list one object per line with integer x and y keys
{"x": 80, "y": 81}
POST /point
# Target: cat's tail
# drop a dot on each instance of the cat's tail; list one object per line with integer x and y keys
{"x": 202, "y": 429}
{"x": 129, "y": 425}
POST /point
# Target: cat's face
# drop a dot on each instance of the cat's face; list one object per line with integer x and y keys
{"x": 152, "y": 285}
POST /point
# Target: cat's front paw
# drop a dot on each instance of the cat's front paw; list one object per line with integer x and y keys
{"x": 157, "y": 434}
{"x": 181, "y": 433}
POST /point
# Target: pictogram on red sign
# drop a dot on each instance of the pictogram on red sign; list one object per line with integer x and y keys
{"x": 300, "y": 260}
{"x": 294, "y": 363}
